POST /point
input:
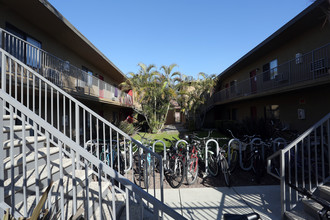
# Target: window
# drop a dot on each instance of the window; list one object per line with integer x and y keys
{"x": 269, "y": 70}
{"x": 87, "y": 77}
{"x": 33, "y": 55}
{"x": 233, "y": 87}
{"x": 272, "y": 112}
{"x": 234, "y": 114}
{"x": 27, "y": 53}
{"x": 273, "y": 69}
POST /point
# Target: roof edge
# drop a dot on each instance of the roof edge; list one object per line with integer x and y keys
{"x": 54, "y": 11}
{"x": 275, "y": 34}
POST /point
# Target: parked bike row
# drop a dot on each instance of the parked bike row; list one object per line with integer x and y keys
{"x": 187, "y": 158}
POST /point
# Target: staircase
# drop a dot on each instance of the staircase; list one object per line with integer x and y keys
{"x": 304, "y": 163}
{"x": 308, "y": 208}
{"x": 44, "y": 139}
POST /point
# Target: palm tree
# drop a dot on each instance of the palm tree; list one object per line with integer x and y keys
{"x": 192, "y": 94}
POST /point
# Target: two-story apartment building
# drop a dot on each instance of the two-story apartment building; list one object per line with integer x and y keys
{"x": 38, "y": 35}
{"x": 286, "y": 77}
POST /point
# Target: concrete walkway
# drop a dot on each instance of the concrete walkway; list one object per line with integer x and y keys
{"x": 212, "y": 203}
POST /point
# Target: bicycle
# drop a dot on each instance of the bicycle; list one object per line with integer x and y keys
{"x": 143, "y": 165}
{"x": 200, "y": 144}
{"x": 214, "y": 162}
{"x": 174, "y": 168}
{"x": 241, "y": 145}
{"x": 101, "y": 149}
{"x": 230, "y": 153}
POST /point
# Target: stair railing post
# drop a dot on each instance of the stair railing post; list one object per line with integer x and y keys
{"x": 282, "y": 176}
{"x": 2, "y": 153}
{"x": 3, "y": 72}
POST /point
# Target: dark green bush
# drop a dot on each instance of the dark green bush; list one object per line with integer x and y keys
{"x": 127, "y": 127}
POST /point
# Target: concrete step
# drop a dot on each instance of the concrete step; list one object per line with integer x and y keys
{"x": 82, "y": 200}
{"x": 312, "y": 208}
{"x": 107, "y": 207}
{"x": 56, "y": 191}
{"x": 6, "y": 119}
{"x": 325, "y": 192}
{"x": 18, "y": 131}
{"x": 32, "y": 177}
{"x": 18, "y": 161}
{"x": 295, "y": 215}
{"x": 19, "y": 142}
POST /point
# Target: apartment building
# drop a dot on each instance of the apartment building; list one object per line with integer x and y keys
{"x": 286, "y": 77}
{"x": 39, "y": 36}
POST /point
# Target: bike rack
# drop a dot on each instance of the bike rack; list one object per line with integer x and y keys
{"x": 206, "y": 154}
{"x": 153, "y": 147}
{"x": 184, "y": 141}
{"x": 278, "y": 141}
{"x": 229, "y": 146}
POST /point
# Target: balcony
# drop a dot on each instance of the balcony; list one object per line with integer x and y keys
{"x": 312, "y": 68}
{"x": 62, "y": 73}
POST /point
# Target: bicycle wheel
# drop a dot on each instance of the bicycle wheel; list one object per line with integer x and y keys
{"x": 138, "y": 170}
{"x": 225, "y": 170}
{"x": 213, "y": 165}
{"x": 257, "y": 167}
{"x": 175, "y": 174}
{"x": 233, "y": 160}
{"x": 192, "y": 170}
{"x": 119, "y": 166}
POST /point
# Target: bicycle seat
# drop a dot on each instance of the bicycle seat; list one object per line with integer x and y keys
{"x": 250, "y": 216}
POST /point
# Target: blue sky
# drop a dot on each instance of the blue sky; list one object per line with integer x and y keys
{"x": 198, "y": 35}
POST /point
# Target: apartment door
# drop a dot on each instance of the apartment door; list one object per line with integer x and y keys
{"x": 253, "y": 111}
{"x": 101, "y": 88}
{"x": 253, "y": 80}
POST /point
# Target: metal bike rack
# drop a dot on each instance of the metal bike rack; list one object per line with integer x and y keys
{"x": 184, "y": 141}
{"x": 159, "y": 141}
{"x": 278, "y": 141}
{"x": 229, "y": 146}
{"x": 206, "y": 154}
{"x": 240, "y": 154}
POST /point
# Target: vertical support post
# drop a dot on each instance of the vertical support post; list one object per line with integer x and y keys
{"x": 100, "y": 189}
{"x": 2, "y": 153}
{"x": 77, "y": 120}
{"x": 1, "y": 39}
{"x": 3, "y": 72}
{"x": 127, "y": 204}
{"x": 282, "y": 175}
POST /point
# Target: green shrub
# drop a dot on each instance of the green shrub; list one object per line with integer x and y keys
{"x": 127, "y": 127}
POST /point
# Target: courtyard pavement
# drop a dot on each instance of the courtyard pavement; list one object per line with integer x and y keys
{"x": 212, "y": 203}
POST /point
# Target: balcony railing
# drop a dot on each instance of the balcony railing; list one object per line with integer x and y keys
{"x": 304, "y": 68}
{"x": 62, "y": 73}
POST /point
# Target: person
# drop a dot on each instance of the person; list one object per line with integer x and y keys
{"x": 129, "y": 119}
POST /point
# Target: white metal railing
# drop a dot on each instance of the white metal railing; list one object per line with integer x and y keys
{"x": 305, "y": 163}
{"x": 307, "y": 67}
{"x": 69, "y": 124}
{"x": 61, "y": 72}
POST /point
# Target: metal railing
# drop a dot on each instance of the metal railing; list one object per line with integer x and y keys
{"x": 69, "y": 124}
{"x": 305, "y": 163}
{"x": 305, "y": 68}
{"x": 60, "y": 72}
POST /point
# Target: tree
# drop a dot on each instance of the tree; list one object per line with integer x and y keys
{"x": 192, "y": 95}
{"x": 153, "y": 91}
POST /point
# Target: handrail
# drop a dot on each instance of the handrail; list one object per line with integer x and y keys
{"x": 284, "y": 75}
{"x": 303, "y": 162}
{"x": 40, "y": 59}
{"x": 94, "y": 161}
{"x": 72, "y": 118}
